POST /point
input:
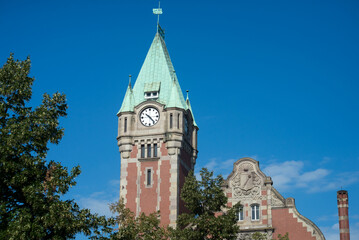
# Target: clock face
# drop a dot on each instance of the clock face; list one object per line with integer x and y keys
{"x": 149, "y": 116}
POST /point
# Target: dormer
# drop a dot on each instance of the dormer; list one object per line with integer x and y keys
{"x": 152, "y": 90}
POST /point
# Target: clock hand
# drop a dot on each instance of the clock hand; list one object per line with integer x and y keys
{"x": 150, "y": 118}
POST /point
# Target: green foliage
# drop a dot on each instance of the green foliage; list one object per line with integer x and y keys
{"x": 258, "y": 236}
{"x": 126, "y": 226}
{"x": 261, "y": 236}
{"x": 285, "y": 237}
{"x": 31, "y": 187}
{"x": 204, "y": 200}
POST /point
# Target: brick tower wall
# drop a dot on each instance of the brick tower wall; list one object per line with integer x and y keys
{"x": 141, "y": 197}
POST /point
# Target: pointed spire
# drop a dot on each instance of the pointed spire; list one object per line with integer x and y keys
{"x": 158, "y": 69}
{"x": 190, "y": 108}
{"x": 129, "y": 81}
{"x": 128, "y": 101}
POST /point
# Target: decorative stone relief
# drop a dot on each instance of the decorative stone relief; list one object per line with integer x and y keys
{"x": 246, "y": 183}
{"x": 276, "y": 202}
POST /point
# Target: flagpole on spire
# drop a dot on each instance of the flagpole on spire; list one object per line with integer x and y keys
{"x": 158, "y": 12}
{"x": 158, "y": 15}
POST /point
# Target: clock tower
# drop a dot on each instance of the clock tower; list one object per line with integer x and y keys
{"x": 157, "y": 138}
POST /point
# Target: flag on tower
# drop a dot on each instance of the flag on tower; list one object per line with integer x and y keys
{"x": 157, "y": 11}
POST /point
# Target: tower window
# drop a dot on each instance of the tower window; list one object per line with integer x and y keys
{"x": 171, "y": 120}
{"x": 143, "y": 151}
{"x": 151, "y": 95}
{"x": 148, "y": 150}
{"x": 240, "y": 214}
{"x": 155, "y": 150}
{"x": 125, "y": 127}
{"x": 178, "y": 121}
{"x": 255, "y": 212}
{"x": 149, "y": 177}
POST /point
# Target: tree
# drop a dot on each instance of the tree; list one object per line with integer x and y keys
{"x": 261, "y": 236}
{"x": 130, "y": 227}
{"x": 205, "y": 202}
{"x": 258, "y": 236}
{"x": 31, "y": 187}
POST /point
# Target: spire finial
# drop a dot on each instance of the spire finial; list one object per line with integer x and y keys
{"x": 129, "y": 80}
{"x": 158, "y": 12}
{"x": 187, "y": 94}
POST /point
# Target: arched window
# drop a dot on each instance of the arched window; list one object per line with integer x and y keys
{"x": 149, "y": 177}
{"x": 125, "y": 128}
{"x": 148, "y": 150}
{"x": 240, "y": 214}
{"x": 155, "y": 150}
{"x": 255, "y": 212}
{"x": 171, "y": 120}
{"x": 143, "y": 151}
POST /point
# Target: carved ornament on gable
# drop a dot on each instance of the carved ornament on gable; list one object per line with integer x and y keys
{"x": 246, "y": 183}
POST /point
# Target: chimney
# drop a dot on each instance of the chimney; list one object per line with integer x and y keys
{"x": 343, "y": 206}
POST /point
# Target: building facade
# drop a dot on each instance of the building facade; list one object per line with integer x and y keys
{"x": 263, "y": 209}
{"x": 157, "y": 138}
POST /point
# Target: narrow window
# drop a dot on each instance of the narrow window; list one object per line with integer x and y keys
{"x": 148, "y": 150}
{"x": 255, "y": 212}
{"x": 125, "y": 124}
{"x": 149, "y": 177}
{"x": 178, "y": 121}
{"x": 240, "y": 214}
{"x": 142, "y": 151}
{"x": 155, "y": 150}
{"x": 171, "y": 120}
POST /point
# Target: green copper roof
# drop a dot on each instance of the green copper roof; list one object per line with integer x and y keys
{"x": 129, "y": 101}
{"x": 157, "y": 68}
{"x": 190, "y": 108}
{"x": 175, "y": 97}
{"x": 157, "y": 74}
{"x": 152, "y": 87}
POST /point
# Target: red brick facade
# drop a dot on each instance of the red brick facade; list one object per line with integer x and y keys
{"x": 132, "y": 187}
{"x": 165, "y": 191}
{"x": 284, "y": 221}
{"x": 148, "y": 194}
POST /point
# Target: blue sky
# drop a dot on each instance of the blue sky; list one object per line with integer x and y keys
{"x": 273, "y": 80}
